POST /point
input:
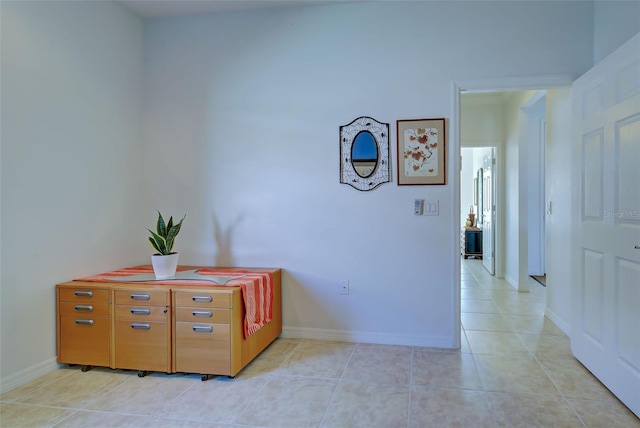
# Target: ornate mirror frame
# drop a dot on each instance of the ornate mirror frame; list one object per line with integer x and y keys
{"x": 348, "y": 135}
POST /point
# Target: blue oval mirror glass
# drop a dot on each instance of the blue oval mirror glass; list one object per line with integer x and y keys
{"x": 364, "y": 154}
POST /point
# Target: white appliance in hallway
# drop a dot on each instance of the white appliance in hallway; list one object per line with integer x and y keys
{"x": 606, "y": 239}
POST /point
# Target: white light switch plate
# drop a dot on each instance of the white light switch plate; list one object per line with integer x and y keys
{"x": 431, "y": 208}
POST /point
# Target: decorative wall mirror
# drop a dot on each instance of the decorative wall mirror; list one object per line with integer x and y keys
{"x": 364, "y": 153}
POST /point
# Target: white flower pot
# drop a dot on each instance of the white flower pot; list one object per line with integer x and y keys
{"x": 164, "y": 266}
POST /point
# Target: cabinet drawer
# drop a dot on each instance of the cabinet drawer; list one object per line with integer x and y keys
{"x": 80, "y": 309}
{"x": 144, "y": 313}
{"x": 205, "y": 315}
{"x": 199, "y": 331}
{"x": 141, "y": 297}
{"x": 142, "y": 345}
{"x": 203, "y": 348}
{"x": 203, "y": 300}
{"x": 72, "y": 294}
{"x": 84, "y": 340}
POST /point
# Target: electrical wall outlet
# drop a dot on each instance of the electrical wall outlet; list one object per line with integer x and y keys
{"x": 344, "y": 287}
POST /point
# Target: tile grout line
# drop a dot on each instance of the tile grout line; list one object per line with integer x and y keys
{"x": 535, "y": 358}
{"x": 566, "y": 401}
{"x": 330, "y": 402}
{"x": 270, "y": 378}
{"x": 413, "y": 350}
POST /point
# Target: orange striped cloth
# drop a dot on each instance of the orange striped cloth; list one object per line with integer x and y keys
{"x": 257, "y": 289}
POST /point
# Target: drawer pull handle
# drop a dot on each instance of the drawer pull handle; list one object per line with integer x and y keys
{"x": 140, "y": 311}
{"x": 84, "y": 322}
{"x": 202, "y": 299}
{"x": 83, "y": 308}
{"x": 202, "y": 328}
{"x": 140, "y": 326}
{"x": 202, "y": 314}
{"x": 81, "y": 293}
{"x": 140, "y": 297}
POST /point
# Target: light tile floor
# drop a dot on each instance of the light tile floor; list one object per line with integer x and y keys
{"x": 514, "y": 369}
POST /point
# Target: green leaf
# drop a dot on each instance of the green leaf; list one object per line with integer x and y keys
{"x": 161, "y": 228}
{"x": 170, "y": 224}
{"x": 172, "y": 233}
{"x": 159, "y": 241}
{"x": 154, "y": 245}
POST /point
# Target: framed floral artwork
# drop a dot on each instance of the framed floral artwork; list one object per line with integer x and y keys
{"x": 421, "y": 151}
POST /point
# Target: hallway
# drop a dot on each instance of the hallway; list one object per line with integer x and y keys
{"x": 519, "y": 351}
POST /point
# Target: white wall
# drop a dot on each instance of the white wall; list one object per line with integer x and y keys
{"x": 71, "y": 157}
{"x": 481, "y": 119}
{"x": 242, "y": 113}
{"x": 536, "y": 117}
{"x": 558, "y": 223}
{"x": 514, "y": 117}
{"x": 467, "y": 175}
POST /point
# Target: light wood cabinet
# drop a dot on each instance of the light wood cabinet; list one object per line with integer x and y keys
{"x": 205, "y": 331}
{"x": 84, "y": 325}
{"x": 142, "y": 329}
{"x": 160, "y": 327}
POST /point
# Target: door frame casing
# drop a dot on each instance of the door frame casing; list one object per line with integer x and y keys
{"x": 487, "y": 85}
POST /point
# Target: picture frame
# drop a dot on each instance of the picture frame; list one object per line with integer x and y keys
{"x": 421, "y": 151}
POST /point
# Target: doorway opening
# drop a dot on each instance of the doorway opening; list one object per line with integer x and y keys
{"x": 472, "y": 127}
{"x": 478, "y": 204}
{"x": 501, "y": 188}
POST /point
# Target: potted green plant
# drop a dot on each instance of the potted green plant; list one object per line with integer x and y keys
{"x": 164, "y": 261}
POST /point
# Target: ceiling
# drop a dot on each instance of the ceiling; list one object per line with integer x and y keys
{"x": 160, "y": 8}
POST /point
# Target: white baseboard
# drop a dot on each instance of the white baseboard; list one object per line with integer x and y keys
{"x": 366, "y": 337}
{"x": 559, "y": 322}
{"x": 27, "y": 375}
{"x": 511, "y": 281}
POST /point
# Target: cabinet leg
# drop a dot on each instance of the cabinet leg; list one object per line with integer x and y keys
{"x": 142, "y": 373}
{"x": 86, "y": 368}
{"x": 206, "y": 377}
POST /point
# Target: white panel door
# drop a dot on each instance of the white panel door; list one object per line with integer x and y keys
{"x": 488, "y": 213}
{"x": 605, "y": 333}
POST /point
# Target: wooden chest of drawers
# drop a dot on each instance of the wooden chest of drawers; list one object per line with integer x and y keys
{"x": 203, "y": 330}
{"x": 142, "y": 319}
{"x": 84, "y": 325}
{"x": 166, "y": 328}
